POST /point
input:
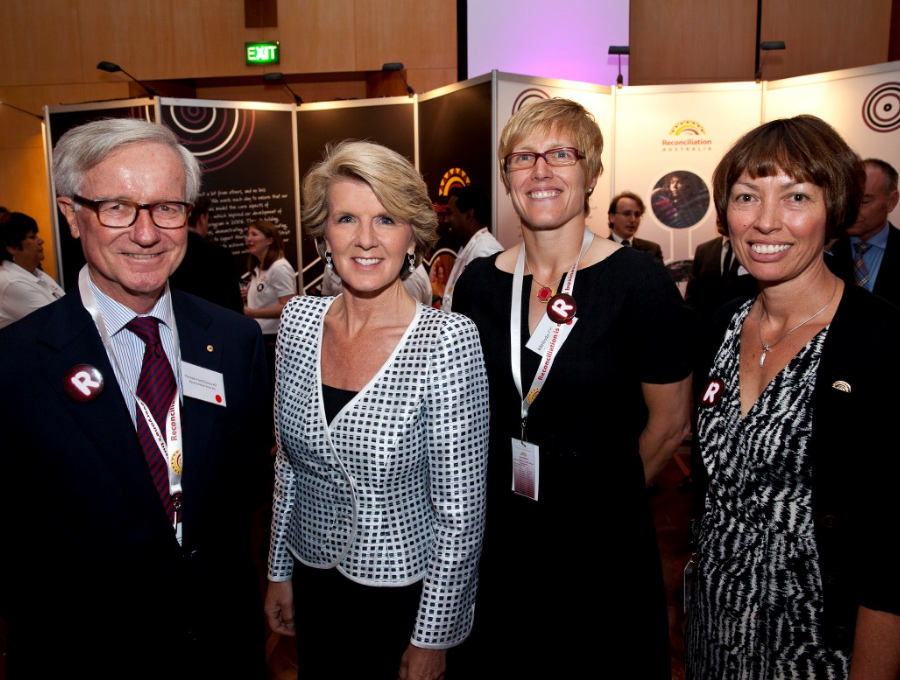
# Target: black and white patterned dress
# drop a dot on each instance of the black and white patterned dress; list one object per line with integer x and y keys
{"x": 758, "y": 596}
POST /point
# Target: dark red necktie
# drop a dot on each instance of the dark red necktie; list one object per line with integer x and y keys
{"x": 157, "y": 389}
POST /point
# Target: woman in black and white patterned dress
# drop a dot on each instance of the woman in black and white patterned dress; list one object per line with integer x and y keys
{"x": 793, "y": 578}
{"x": 381, "y": 410}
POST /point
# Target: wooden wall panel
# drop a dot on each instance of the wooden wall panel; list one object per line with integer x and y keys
{"x": 318, "y": 36}
{"x": 713, "y": 41}
{"x": 824, "y": 35}
{"x": 428, "y": 79}
{"x": 135, "y": 35}
{"x": 419, "y": 33}
{"x": 208, "y": 39}
{"x": 276, "y": 94}
{"x": 41, "y": 42}
{"x": 691, "y": 42}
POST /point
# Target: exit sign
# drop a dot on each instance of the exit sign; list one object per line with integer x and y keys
{"x": 262, "y": 53}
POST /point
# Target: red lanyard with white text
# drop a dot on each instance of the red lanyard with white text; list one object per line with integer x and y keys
{"x": 561, "y": 306}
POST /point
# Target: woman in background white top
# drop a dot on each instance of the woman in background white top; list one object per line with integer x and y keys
{"x": 272, "y": 283}
{"x": 23, "y": 287}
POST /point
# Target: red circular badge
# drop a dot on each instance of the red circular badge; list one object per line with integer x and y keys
{"x": 83, "y": 382}
{"x": 712, "y": 393}
{"x": 561, "y": 308}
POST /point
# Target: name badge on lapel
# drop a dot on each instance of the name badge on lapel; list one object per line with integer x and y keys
{"x": 203, "y": 384}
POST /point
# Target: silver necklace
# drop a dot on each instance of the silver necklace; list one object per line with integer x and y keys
{"x": 766, "y": 348}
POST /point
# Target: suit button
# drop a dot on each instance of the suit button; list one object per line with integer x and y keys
{"x": 828, "y": 521}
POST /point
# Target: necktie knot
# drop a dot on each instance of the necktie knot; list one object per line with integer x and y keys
{"x": 147, "y": 329}
{"x": 861, "y": 247}
{"x": 626, "y": 242}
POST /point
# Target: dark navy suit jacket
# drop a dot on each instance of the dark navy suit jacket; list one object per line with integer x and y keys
{"x": 646, "y": 246}
{"x": 92, "y": 576}
{"x": 887, "y": 283}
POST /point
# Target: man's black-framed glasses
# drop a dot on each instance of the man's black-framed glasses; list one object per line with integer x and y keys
{"x": 522, "y": 160}
{"x": 117, "y": 213}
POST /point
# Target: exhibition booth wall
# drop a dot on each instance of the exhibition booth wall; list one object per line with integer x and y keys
{"x": 661, "y": 142}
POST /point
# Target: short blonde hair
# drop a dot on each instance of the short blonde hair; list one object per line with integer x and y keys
{"x": 540, "y": 117}
{"x": 393, "y": 179}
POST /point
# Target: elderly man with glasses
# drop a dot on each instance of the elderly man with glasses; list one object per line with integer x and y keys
{"x": 134, "y": 420}
{"x": 625, "y": 212}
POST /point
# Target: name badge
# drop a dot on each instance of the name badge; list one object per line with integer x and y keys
{"x": 203, "y": 384}
{"x": 548, "y": 330}
{"x": 526, "y": 472}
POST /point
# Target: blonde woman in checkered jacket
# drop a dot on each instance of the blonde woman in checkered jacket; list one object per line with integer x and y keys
{"x": 381, "y": 417}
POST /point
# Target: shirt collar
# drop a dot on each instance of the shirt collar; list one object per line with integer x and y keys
{"x": 116, "y": 315}
{"x": 879, "y": 240}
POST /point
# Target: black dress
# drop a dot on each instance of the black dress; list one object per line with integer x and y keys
{"x": 583, "y": 558}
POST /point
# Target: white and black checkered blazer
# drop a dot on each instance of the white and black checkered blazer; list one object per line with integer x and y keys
{"x": 393, "y": 490}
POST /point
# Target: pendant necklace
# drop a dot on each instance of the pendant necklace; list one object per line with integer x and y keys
{"x": 766, "y": 348}
{"x": 545, "y": 292}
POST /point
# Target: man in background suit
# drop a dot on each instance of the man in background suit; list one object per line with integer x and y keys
{"x": 869, "y": 254}
{"x": 110, "y": 570}
{"x": 716, "y": 277}
{"x": 208, "y": 270}
{"x": 625, "y": 212}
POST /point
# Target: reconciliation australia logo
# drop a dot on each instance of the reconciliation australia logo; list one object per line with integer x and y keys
{"x": 454, "y": 177}
{"x": 687, "y": 135}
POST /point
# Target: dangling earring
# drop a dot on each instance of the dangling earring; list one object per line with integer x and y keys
{"x": 412, "y": 263}
{"x": 328, "y": 262}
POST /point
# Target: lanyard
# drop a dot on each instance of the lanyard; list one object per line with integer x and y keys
{"x": 515, "y": 329}
{"x": 168, "y": 435}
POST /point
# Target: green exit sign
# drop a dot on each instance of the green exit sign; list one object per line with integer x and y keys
{"x": 262, "y": 53}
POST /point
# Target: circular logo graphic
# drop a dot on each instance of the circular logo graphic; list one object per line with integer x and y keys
{"x": 680, "y": 199}
{"x": 881, "y": 109}
{"x": 526, "y": 96}
{"x": 217, "y": 137}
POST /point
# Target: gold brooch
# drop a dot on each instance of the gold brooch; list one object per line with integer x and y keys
{"x": 841, "y": 386}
